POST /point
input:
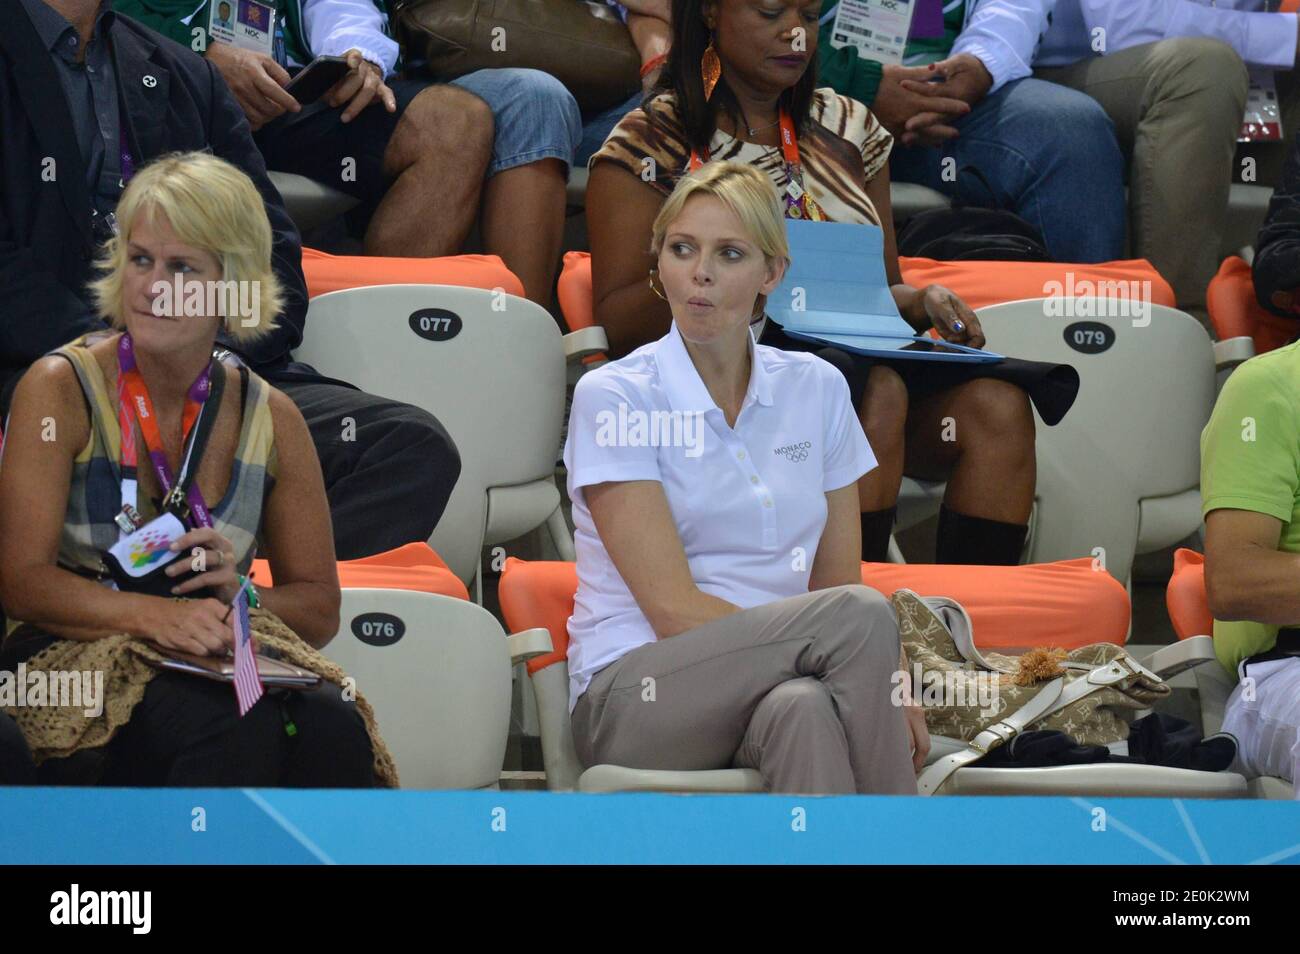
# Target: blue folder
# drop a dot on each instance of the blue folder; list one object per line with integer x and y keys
{"x": 835, "y": 291}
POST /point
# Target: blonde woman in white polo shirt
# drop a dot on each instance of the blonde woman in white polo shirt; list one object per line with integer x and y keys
{"x": 720, "y": 617}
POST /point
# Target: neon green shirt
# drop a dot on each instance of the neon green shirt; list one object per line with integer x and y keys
{"x": 1250, "y": 460}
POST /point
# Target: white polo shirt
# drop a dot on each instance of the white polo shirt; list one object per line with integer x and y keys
{"x": 749, "y": 503}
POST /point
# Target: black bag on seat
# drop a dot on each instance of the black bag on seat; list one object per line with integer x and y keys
{"x": 971, "y": 233}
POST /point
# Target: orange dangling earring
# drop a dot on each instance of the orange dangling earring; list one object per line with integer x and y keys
{"x": 710, "y": 68}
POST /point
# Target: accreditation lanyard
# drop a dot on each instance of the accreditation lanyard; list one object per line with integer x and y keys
{"x": 798, "y": 203}
{"x": 134, "y": 403}
{"x": 128, "y": 164}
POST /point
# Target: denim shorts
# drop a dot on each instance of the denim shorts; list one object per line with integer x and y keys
{"x": 537, "y": 118}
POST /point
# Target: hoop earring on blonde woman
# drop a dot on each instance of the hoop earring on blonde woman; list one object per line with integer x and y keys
{"x": 652, "y": 285}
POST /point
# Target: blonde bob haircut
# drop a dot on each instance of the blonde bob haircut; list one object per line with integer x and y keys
{"x": 211, "y": 205}
{"x": 743, "y": 189}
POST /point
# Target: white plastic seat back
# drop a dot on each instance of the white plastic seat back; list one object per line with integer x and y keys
{"x": 437, "y": 671}
{"x": 490, "y": 366}
{"x": 1132, "y": 436}
{"x": 918, "y": 501}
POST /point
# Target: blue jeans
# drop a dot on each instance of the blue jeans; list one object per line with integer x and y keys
{"x": 1051, "y": 156}
{"x": 537, "y": 118}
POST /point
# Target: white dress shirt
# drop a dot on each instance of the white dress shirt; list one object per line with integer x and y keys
{"x": 335, "y": 26}
{"x": 749, "y": 502}
{"x": 1003, "y": 35}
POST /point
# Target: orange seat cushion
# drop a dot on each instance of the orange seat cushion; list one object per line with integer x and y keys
{"x": 1186, "y": 597}
{"x": 574, "y": 291}
{"x": 978, "y": 283}
{"x": 1235, "y": 312}
{"x": 327, "y": 273}
{"x": 414, "y": 566}
{"x": 1066, "y": 604}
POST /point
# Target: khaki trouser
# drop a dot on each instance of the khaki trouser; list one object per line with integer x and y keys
{"x": 799, "y": 689}
{"x": 1177, "y": 107}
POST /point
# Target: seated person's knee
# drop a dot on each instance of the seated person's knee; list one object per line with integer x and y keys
{"x": 801, "y": 697}
{"x": 995, "y": 411}
{"x": 440, "y": 118}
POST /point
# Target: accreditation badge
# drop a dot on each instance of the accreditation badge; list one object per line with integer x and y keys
{"x": 877, "y": 28}
{"x": 247, "y": 24}
{"x": 1263, "y": 119}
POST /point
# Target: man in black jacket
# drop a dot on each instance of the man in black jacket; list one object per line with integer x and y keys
{"x": 85, "y": 97}
{"x": 1277, "y": 251}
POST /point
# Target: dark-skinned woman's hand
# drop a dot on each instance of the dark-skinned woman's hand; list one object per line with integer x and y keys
{"x": 951, "y": 317}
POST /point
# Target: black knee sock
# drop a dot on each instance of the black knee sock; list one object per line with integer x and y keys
{"x": 877, "y": 525}
{"x": 965, "y": 539}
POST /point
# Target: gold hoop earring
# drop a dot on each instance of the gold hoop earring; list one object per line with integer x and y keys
{"x": 652, "y": 285}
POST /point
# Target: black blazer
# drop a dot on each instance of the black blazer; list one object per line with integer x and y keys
{"x": 172, "y": 100}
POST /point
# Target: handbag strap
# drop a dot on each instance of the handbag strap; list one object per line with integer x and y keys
{"x": 1053, "y": 697}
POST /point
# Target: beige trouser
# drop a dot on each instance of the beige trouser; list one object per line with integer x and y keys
{"x": 1177, "y": 107}
{"x": 800, "y": 689}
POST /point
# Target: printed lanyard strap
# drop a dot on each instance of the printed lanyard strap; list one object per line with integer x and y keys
{"x": 798, "y": 202}
{"x": 135, "y": 404}
{"x": 128, "y": 164}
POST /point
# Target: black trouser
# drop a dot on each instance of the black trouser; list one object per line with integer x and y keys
{"x": 187, "y": 732}
{"x": 16, "y": 766}
{"x": 389, "y": 467}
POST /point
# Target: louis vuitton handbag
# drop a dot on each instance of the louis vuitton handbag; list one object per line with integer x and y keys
{"x": 985, "y": 699}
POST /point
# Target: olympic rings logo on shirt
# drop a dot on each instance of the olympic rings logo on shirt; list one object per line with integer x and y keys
{"x": 794, "y": 452}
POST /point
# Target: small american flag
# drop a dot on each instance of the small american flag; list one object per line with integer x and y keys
{"x": 248, "y": 685}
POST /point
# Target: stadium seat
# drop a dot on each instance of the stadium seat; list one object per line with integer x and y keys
{"x": 437, "y": 671}
{"x": 1247, "y": 207}
{"x": 573, "y": 291}
{"x": 1237, "y": 316}
{"x": 537, "y": 600}
{"x": 1185, "y": 597}
{"x": 981, "y": 284}
{"x": 491, "y": 367}
{"x": 309, "y": 203}
{"x": 1120, "y": 474}
{"x": 1189, "y": 611}
{"x": 907, "y": 199}
{"x": 431, "y": 663}
{"x": 327, "y": 273}
{"x": 1069, "y": 599}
